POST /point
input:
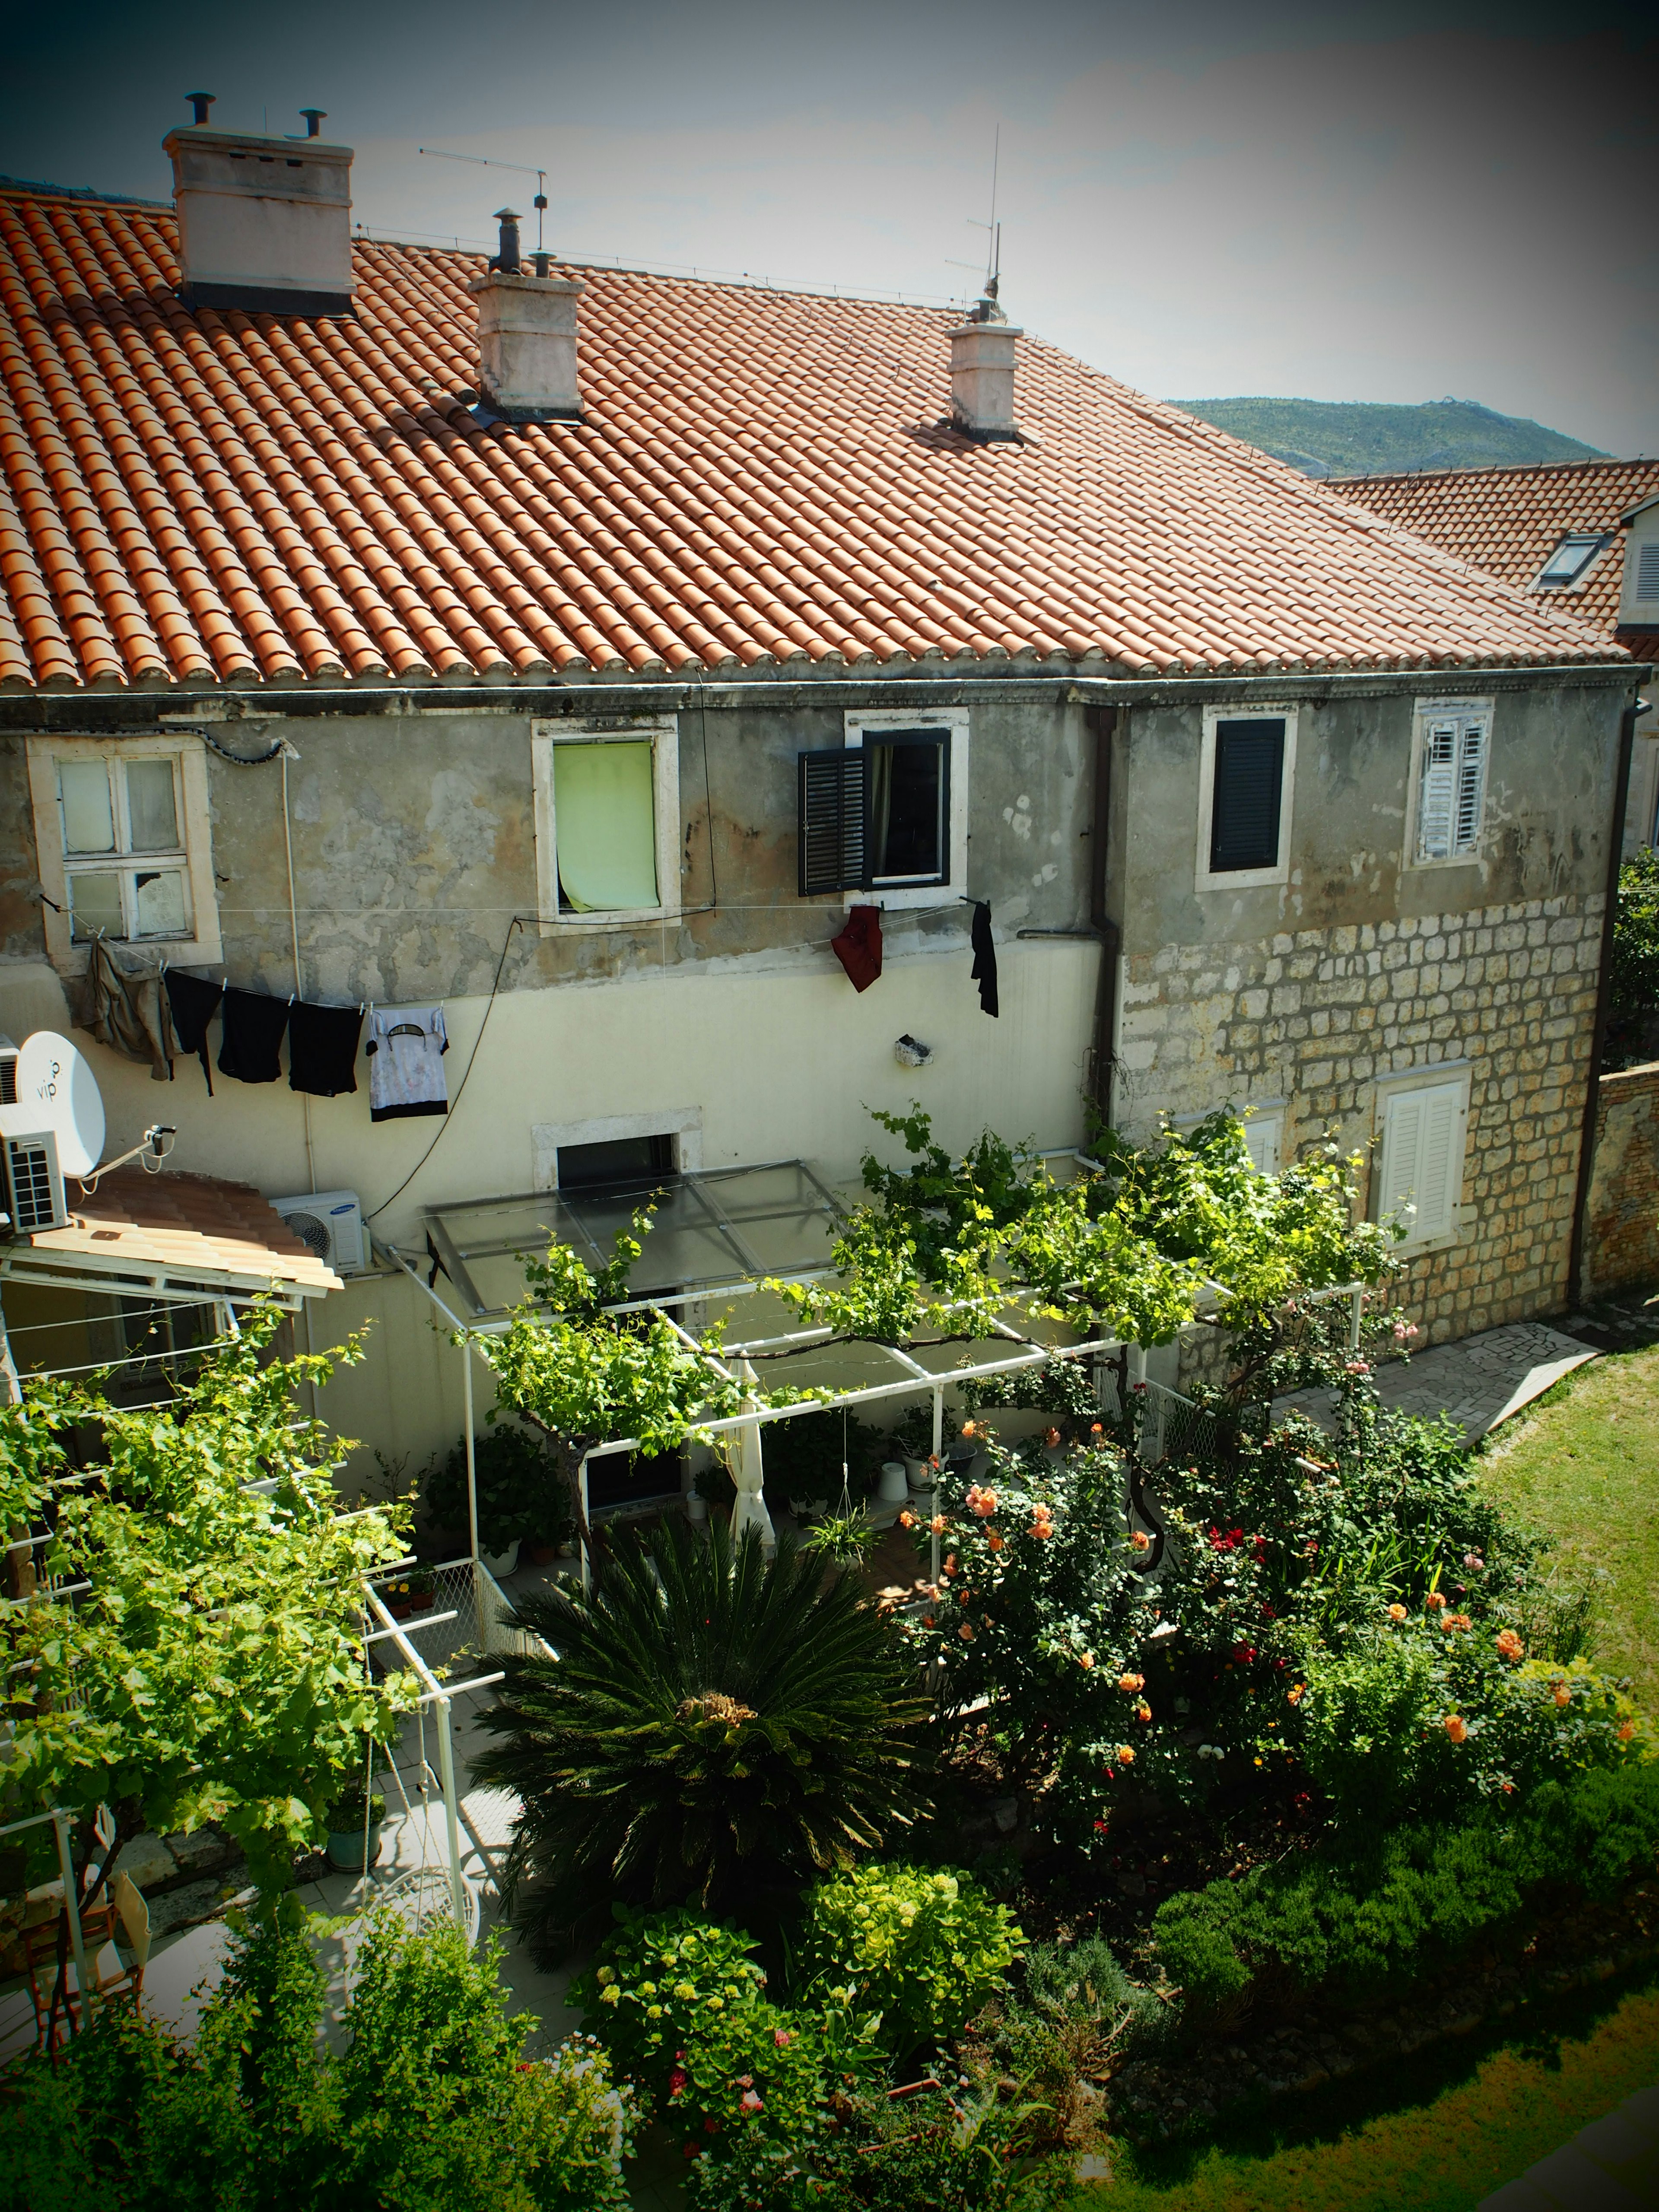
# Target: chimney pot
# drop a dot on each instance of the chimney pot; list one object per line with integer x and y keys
{"x": 200, "y": 102}
{"x": 982, "y": 350}
{"x": 260, "y": 228}
{"x": 315, "y": 117}
{"x": 506, "y": 257}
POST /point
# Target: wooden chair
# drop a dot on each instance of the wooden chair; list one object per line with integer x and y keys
{"x": 112, "y": 1976}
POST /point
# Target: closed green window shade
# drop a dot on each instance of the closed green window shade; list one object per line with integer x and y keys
{"x": 605, "y": 827}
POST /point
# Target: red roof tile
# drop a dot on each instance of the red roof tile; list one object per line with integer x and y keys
{"x": 762, "y": 480}
{"x": 1510, "y": 520}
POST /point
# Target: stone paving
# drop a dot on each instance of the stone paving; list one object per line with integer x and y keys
{"x": 1480, "y": 1382}
{"x": 1612, "y": 2166}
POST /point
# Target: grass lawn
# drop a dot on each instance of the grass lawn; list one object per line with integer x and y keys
{"x": 1437, "y": 2132}
{"x": 1582, "y": 1464}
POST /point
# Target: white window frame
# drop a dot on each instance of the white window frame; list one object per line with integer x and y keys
{"x": 1264, "y": 1139}
{"x": 1426, "y": 713}
{"x": 1643, "y": 542}
{"x": 203, "y": 947}
{"x": 1242, "y": 880}
{"x": 1448, "y": 1075}
{"x": 955, "y": 721}
{"x": 663, "y": 732}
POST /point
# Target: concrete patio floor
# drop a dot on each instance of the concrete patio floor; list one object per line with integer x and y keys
{"x": 1479, "y": 1381}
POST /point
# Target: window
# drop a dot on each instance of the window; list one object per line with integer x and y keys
{"x": 1246, "y": 771}
{"x": 1263, "y": 1134}
{"x": 1453, "y": 741}
{"x": 886, "y": 811}
{"x": 1422, "y": 1122}
{"x": 614, "y": 1160}
{"x": 1647, "y": 570}
{"x": 607, "y": 820}
{"x": 1571, "y": 558}
{"x": 122, "y": 835}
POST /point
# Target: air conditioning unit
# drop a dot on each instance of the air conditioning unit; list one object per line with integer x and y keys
{"x": 35, "y": 1182}
{"x": 330, "y": 1222}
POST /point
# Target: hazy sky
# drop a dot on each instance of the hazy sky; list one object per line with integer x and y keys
{"x": 1342, "y": 202}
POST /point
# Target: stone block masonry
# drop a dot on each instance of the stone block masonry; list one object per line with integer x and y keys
{"x": 1622, "y": 1228}
{"x": 1307, "y": 1022}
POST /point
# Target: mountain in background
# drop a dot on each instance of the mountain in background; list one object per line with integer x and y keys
{"x": 1360, "y": 438}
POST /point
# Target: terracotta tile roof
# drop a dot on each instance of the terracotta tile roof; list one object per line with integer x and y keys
{"x": 1510, "y": 520}
{"x": 189, "y": 1225}
{"x": 763, "y": 481}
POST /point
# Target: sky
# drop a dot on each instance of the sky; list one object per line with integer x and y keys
{"x": 1402, "y": 201}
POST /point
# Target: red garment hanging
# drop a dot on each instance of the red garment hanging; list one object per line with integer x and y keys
{"x": 859, "y": 946}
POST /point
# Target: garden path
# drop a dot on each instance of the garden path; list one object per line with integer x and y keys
{"x": 1480, "y": 1382}
{"x": 1612, "y": 2166}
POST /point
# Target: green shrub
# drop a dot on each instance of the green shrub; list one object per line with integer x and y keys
{"x": 1634, "y": 979}
{"x": 657, "y": 1980}
{"x": 429, "y": 2103}
{"x": 715, "y": 1729}
{"x": 1420, "y": 1890}
{"x": 522, "y": 1494}
{"x": 923, "y": 1948}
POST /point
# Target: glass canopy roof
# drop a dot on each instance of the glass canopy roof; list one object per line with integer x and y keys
{"x": 712, "y": 1227}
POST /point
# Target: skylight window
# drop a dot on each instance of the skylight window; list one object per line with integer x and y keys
{"x": 1569, "y": 559}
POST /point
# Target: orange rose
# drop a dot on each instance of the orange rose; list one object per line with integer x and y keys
{"x": 1563, "y": 1694}
{"x": 994, "y": 1540}
{"x": 907, "y": 1519}
{"x": 1042, "y": 1527}
{"x": 938, "y": 1524}
{"x": 1296, "y": 1694}
{"x": 1086, "y": 1659}
{"x": 965, "y": 1633}
{"x": 1142, "y": 1711}
{"x": 1126, "y": 1756}
{"x": 1132, "y": 1682}
{"x": 981, "y": 1502}
{"x": 1139, "y": 1540}
{"x": 927, "y": 1620}
{"x": 1433, "y": 1601}
{"x": 950, "y": 1563}
{"x": 1626, "y": 1731}
{"x": 969, "y": 1430}
{"x": 1051, "y": 1438}
{"x": 1510, "y": 1645}
{"x": 1396, "y": 1612}
{"x": 1457, "y": 1727}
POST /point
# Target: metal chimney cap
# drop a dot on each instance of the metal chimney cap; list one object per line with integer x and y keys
{"x": 201, "y": 102}
{"x": 315, "y": 117}
{"x": 506, "y": 214}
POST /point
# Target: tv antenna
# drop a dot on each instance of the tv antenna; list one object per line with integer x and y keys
{"x": 479, "y": 162}
{"x": 993, "y": 242}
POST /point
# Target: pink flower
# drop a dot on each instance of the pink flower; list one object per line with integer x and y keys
{"x": 783, "y": 2037}
{"x": 750, "y": 2101}
{"x": 1359, "y": 1366}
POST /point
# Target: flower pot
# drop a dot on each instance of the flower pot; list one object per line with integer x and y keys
{"x": 345, "y": 1848}
{"x": 543, "y": 1555}
{"x": 894, "y": 1487}
{"x": 421, "y": 1602}
{"x": 919, "y": 1475}
{"x": 400, "y": 1609}
{"x": 501, "y": 1563}
{"x": 696, "y": 1509}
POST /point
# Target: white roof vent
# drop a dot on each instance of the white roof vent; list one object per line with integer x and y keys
{"x": 264, "y": 224}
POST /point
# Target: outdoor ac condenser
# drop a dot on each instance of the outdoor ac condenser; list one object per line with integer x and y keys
{"x": 35, "y": 1182}
{"x": 330, "y": 1222}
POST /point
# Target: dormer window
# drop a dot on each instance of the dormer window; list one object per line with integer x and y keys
{"x": 1571, "y": 558}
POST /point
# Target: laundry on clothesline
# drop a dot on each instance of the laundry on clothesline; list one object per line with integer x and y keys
{"x": 985, "y": 957}
{"x": 859, "y": 946}
{"x": 405, "y": 1048}
{"x": 194, "y": 1001}
{"x": 251, "y": 1025}
{"x": 120, "y": 1000}
{"x": 322, "y": 1048}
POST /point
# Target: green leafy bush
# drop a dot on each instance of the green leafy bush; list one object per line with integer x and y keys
{"x": 429, "y": 2103}
{"x": 1632, "y": 1035}
{"x": 1430, "y": 1888}
{"x": 659, "y": 1978}
{"x": 923, "y": 1948}
{"x": 715, "y": 1728}
{"x": 522, "y": 1492}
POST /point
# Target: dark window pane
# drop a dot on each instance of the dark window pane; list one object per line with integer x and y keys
{"x": 622, "y": 1479}
{"x": 1250, "y": 775}
{"x": 624, "y": 1159}
{"x": 906, "y": 807}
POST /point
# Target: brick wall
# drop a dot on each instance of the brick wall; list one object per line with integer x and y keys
{"x": 1621, "y": 1227}
{"x": 1316, "y": 1017}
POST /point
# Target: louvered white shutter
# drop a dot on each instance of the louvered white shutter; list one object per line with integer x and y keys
{"x": 1647, "y": 571}
{"x": 1423, "y": 1160}
{"x": 1261, "y": 1143}
{"x": 1471, "y": 785}
{"x": 1438, "y": 794}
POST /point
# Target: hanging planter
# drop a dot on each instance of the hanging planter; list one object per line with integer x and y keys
{"x": 346, "y": 1831}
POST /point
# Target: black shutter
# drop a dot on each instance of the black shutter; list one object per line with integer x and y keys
{"x": 832, "y": 822}
{"x": 1249, "y": 779}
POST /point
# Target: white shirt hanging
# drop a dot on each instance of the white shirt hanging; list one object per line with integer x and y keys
{"x": 405, "y": 1048}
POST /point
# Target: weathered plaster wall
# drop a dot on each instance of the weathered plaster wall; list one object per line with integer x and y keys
{"x": 1621, "y": 1226}
{"x": 1358, "y": 968}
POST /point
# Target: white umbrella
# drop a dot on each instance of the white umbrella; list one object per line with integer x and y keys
{"x": 747, "y": 1470}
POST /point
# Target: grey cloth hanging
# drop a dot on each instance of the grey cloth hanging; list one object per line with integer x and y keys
{"x": 121, "y": 1001}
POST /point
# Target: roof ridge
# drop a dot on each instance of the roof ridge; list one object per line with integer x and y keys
{"x": 1499, "y": 468}
{"x": 27, "y": 188}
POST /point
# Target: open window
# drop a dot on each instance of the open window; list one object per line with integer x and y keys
{"x": 1423, "y": 1124}
{"x": 1246, "y": 772}
{"x": 1453, "y": 744}
{"x": 607, "y": 820}
{"x": 122, "y": 837}
{"x": 885, "y": 813}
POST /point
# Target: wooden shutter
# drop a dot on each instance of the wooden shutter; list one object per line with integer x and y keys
{"x": 1437, "y": 796}
{"x": 1261, "y": 1143}
{"x": 832, "y": 819}
{"x": 1250, "y": 782}
{"x": 1423, "y": 1160}
{"x": 1471, "y": 785}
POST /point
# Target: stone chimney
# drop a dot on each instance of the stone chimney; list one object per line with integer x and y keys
{"x": 526, "y": 336}
{"x": 982, "y": 373}
{"x": 263, "y": 223}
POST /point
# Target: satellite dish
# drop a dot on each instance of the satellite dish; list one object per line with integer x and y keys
{"x": 57, "y": 1090}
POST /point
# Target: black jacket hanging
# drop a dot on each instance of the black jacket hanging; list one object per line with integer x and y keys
{"x": 194, "y": 1003}
{"x": 322, "y": 1048}
{"x": 985, "y": 959}
{"x": 252, "y": 1024}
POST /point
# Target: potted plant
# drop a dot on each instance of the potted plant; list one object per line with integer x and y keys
{"x": 352, "y": 1812}
{"x": 912, "y": 1441}
{"x": 522, "y": 1496}
{"x": 408, "y": 1593}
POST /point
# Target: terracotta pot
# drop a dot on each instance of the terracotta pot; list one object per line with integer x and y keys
{"x": 543, "y": 1555}
{"x": 421, "y": 1603}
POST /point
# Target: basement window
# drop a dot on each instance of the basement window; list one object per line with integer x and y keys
{"x": 607, "y": 820}
{"x": 122, "y": 838}
{"x": 1246, "y": 770}
{"x": 1453, "y": 744}
{"x": 1571, "y": 558}
{"x": 886, "y": 811}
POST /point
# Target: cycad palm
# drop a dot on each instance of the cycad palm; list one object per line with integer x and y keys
{"x": 712, "y": 1726}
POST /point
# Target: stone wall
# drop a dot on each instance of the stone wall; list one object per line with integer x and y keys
{"x": 1314, "y": 1018}
{"x": 1622, "y": 1228}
